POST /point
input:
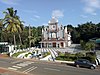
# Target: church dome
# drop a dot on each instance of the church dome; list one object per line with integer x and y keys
{"x": 53, "y": 20}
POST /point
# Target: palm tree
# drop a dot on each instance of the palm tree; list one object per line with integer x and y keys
{"x": 1, "y": 25}
{"x": 20, "y": 31}
{"x": 12, "y": 22}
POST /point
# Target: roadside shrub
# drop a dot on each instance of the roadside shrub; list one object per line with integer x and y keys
{"x": 79, "y": 55}
{"x": 67, "y": 54}
{"x": 91, "y": 56}
{"x": 27, "y": 54}
{"x": 66, "y": 57}
{"x": 16, "y": 54}
{"x": 46, "y": 54}
{"x": 58, "y": 52}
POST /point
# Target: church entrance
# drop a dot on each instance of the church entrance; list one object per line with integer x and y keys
{"x": 62, "y": 44}
{"x": 54, "y": 44}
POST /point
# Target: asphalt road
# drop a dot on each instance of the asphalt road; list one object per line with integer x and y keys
{"x": 44, "y": 68}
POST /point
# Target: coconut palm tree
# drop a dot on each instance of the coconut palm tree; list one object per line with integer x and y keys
{"x": 1, "y": 25}
{"x": 12, "y": 22}
{"x": 20, "y": 31}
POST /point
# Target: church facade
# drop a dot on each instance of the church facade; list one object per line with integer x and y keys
{"x": 55, "y": 36}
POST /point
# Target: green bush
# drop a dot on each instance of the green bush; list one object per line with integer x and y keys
{"x": 16, "y": 54}
{"x": 79, "y": 55}
{"x": 91, "y": 56}
{"x": 46, "y": 54}
{"x": 72, "y": 57}
{"x": 27, "y": 54}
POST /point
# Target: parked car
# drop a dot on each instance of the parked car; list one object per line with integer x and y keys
{"x": 84, "y": 63}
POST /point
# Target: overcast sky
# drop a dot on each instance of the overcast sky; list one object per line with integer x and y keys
{"x": 39, "y": 12}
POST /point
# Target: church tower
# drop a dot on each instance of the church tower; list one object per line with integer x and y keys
{"x": 55, "y": 35}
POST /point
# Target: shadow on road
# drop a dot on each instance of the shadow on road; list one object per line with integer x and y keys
{"x": 70, "y": 64}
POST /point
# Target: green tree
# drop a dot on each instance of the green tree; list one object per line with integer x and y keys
{"x": 87, "y": 31}
{"x": 89, "y": 46}
{"x": 1, "y": 26}
{"x": 82, "y": 44}
{"x": 13, "y": 23}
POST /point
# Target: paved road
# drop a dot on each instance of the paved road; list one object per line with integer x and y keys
{"x": 44, "y": 68}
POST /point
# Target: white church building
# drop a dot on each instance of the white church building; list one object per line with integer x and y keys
{"x": 55, "y": 36}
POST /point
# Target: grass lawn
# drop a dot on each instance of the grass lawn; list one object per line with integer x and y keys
{"x": 16, "y": 54}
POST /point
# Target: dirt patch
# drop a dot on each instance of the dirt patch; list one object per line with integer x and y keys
{"x": 4, "y": 55}
{"x": 8, "y": 72}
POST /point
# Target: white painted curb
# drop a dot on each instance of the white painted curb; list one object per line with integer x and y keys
{"x": 67, "y": 62}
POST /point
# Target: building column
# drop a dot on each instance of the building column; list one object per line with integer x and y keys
{"x": 64, "y": 44}
{"x": 41, "y": 45}
{"x": 47, "y": 45}
{"x": 57, "y": 45}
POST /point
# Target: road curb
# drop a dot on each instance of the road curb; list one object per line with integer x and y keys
{"x": 64, "y": 62}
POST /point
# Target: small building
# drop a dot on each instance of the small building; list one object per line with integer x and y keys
{"x": 97, "y": 43}
{"x": 6, "y": 48}
{"x": 3, "y": 47}
{"x": 55, "y": 35}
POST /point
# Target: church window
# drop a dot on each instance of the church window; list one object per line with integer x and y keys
{"x": 46, "y": 29}
{"x": 53, "y": 26}
{"x": 61, "y": 28}
{"x": 53, "y": 35}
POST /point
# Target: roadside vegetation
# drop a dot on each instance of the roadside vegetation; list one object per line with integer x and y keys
{"x": 46, "y": 54}
{"x": 88, "y": 46}
{"x": 72, "y": 57}
{"x": 27, "y": 54}
{"x": 16, "y": 54}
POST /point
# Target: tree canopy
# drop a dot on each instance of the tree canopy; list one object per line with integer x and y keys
{"x": 12, "y": 24}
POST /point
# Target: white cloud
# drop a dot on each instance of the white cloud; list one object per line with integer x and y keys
{"x": 83, "y": 16}
{"x": 45, "y": 24}
{"x": 36, "y": 16}
{"x": 33, "y": 19}
{"x": 57, "y": 13}
{"x": 10, "y": 2}
{"x": 91, "y": 6}
{"x": 26, "y": 24}
{"x": 90, "y": 10}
